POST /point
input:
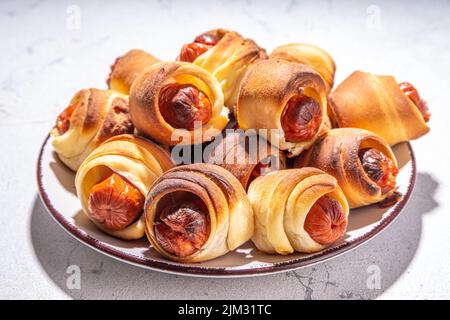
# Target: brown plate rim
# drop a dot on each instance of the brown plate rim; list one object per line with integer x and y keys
{"x": 192, "y": 270}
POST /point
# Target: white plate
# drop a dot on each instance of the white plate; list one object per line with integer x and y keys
{"x": 57, "y": 190}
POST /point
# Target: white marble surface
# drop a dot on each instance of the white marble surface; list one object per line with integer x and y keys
{"x": 45, "y": 58}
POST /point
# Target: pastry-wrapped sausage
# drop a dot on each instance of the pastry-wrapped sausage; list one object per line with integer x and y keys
{"x": 286, "y": 98}
{"x": 197, "y": 212}
{"x": 92, "y": 117}
{"x": 227, "y": 55}
{"x": 361, "y": 161}
{"x": 300, "y": 210}
{"x": 113, "y": 181}
{"x": 177, "y": 102}
{"x": 380, "y": 104}
{"x": 126, "y": 69}
{"x": 313, "y": 56}
{"x": 246, "y": 156}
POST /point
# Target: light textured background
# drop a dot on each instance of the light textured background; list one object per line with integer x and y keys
{"x": 44, "y": 61}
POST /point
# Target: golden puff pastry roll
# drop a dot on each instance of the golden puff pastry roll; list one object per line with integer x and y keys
{"x": 126, "y": 69}
{"x": 197, "y": 212}
{"x": 301, "y": 210}
{"x": 380, "y": 104}
{"x": 361, "y": 161}
{"x": 92, "y": 117}
{"x": 285, "y": 102}
{"x": 178, "y": 103}
{"x": 313, "y": 56}
{"x": 115, "y": 178}
{"x": 246, "y": 156}
{"x": 227, "y": 55}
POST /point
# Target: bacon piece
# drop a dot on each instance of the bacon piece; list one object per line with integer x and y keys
{"x": 63, "y": 120}
{"x": 379, "y": 168}
{"x": 202, "y": 43}
{"x": 412, "y": 93}
{"x": 326, "y": 221}
{"x": 183, "y": 228}
{"x": 301, "y": 119}
{"x": 182, "y": 105}
{"x": 115, "y": 203}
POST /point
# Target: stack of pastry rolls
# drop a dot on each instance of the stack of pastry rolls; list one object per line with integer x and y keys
{"x": 302, "y": 157}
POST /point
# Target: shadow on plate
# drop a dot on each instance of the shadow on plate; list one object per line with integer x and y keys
{"x": 344, "y": 277}
{"x": 65, "y": 176}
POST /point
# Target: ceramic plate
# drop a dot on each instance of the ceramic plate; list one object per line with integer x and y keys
{"x": 57, "y": 190}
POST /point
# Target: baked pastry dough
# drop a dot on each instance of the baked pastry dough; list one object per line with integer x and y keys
{"x": 378, "y": 104}
{"x": 364, "y": 178}
{"x": 287, "y": 99}
{"x": 246, "y": 156}
{"x": 300, "y": 210}
{"x": 139, "y": 161}
{"x": 127, "y": 67}
{"x": 197, "y": 212}
{"x": 170, "y": 100}
{"x": 92, "y": 117}
{"x": 227, "y": 55}
{"x": 313, "y": 56}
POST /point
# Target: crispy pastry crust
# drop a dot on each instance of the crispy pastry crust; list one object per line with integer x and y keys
{"x": 99, "y": 115}
{"x": 313, "y": 56}
{"x": 281, "y": 200}
{"x": 229, "y": 60}
{"x": 230, "y": 213}
{"x": 265, "y": 91}
{"x": 138, "y": 160}
{"x": 128, "y": 67}
{"x": 376, "y": 103}
{"x": 144, "y": 104}
{"x": 336, "y": 152}
{"x": 236, "y": 154}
